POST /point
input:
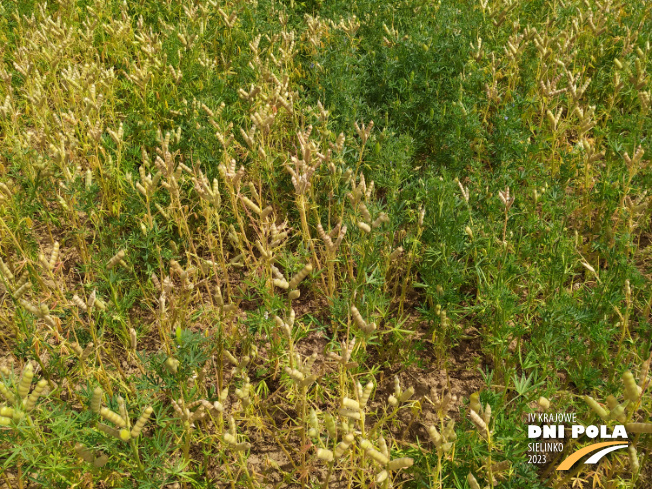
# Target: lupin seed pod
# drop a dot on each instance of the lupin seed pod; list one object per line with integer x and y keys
{"x": 76, "y": 348}
{"x": 249, "y": 203}
{"x": 357, "y": 318}
{"x": 486, "y": 415}
{"x": 331, "y": 427}
{"x": 633, "y": 459}
{"x": 350, "y": 403}
{"x": 395, "y": 254}
{"x": 474, "y": 403}
{"x": 544, "y": 403}
{"x": 296, "y": 375}
{"x": 377, "y": 456}
{"x": 400, "y": 463}
{"x": 407, "y": 394}
{"x": 349, "y": 413}
{"x": 382, "y": 476}
{"x": 112, "y": 416}
{"x": 96, "y": 400}
{"x": 283, "y": 284}
{"x": 54, "y": 256}
{"x": 79, "y": 303}
{"x": 382, "y": 218}
{"x": 618, "y": 413}
{"x": 6, "y": 393}
{"x": 6, "y": 411}
{"x": 364, "y": 398}
{"x": 296, "y": 280}
{"x": 101, "y": 461}
{"x": 115, "y": 259}
{"x": 171, "y": 365}
{"x": 312, "y": 419}
{"x": 639, "y": 427}
{"x": 344, "y": 445}
{"x": 108, "y": 430}
{"x": 364, "y": 226}
{"x": 84, "y": 453}
{"x": 295, "y": 294}
{"x": 138, "y": 427}
{"x": 599, "y": 410}
{"x": 478, "y": 421}
{"x": 325, "y": 455}
{"x": 20, "y": 291}
{"x": 87, "y": 351}
{"x": 449, "y": 431}
{"x": 632, "y": 391}
{"x": 472, "y": 481}
{"x": 434, "y": 435}
{"x": 25, "y": 380}
{"x": 30, "y": 402}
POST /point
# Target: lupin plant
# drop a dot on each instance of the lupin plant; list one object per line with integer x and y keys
{"x": 242, "y": 223}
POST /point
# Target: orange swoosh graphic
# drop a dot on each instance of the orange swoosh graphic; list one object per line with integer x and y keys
{"x": 568, "y": 463}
